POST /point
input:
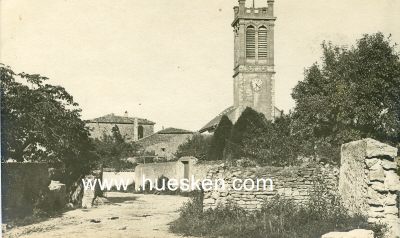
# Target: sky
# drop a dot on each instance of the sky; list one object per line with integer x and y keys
{"x": 171, "y": 61}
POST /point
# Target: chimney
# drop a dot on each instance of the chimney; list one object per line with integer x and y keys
{"x": 126, "y": 114}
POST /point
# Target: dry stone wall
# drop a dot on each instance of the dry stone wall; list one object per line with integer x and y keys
{"x": 22, "y": 187}
{"x": 289, "y": 182}
{"x": 29, "y": 186}
{"x": 369, "y": 183}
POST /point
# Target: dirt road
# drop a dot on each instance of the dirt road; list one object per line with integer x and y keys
{"x": 127, "y": 215}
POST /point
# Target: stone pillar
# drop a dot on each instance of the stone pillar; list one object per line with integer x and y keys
{"x": 368, "y": 182}
{"x": 242, "y": 6}
{"x": 135, "y": 129}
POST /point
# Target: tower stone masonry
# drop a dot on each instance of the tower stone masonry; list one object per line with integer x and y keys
{"x": 253, "y": 79}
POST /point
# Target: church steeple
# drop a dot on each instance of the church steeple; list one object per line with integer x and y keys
{"x": 254, "y": 57}
{"x": 253, "y": 78}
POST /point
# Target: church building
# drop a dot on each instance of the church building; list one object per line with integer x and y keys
{"x": 253, "y": 77}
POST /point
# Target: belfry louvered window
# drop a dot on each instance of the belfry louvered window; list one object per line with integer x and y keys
{"x": 250, "y": 42}
{"x": 262, "y": 43}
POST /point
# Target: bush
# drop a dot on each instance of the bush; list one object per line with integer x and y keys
{"x": 264, "y": 142}
{"x": 219, "y": 139}
{"x": 198, "y": 146}
{"x": 278, "y": 218}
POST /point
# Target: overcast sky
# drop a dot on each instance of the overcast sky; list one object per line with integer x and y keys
{"x": 171, "y": 61}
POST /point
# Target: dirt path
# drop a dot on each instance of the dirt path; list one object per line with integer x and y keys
{"x": 128, "y": 215}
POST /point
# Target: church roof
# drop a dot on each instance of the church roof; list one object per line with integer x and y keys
{"x": 112, "y": 118}
{"x": 211, "y": 125}
{"x": 230, "y": 113}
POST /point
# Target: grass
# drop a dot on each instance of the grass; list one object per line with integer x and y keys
{"x": 278, "y": 218}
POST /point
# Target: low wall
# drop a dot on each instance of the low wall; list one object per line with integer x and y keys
{"x": 290, "y": 182}
{"x": 368, "y": 181}
{"x": 22, "y": 187}
{"x": 201, "y": 169}
{"x": 127, "y": 177}
{"x": 172, "y": 170}
{"x": 153, "y": 171}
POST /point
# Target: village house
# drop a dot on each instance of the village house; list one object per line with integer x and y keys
{"x": 165, "y": 143}
{"x": 131, "y": 128}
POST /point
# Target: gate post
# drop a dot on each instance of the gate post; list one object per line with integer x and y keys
{"x": 368, "y": 182}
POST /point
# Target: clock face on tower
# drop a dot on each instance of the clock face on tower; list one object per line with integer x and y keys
{"x": 256, "y": 84}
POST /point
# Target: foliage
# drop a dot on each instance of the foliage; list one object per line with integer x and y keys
{"x": 263, "y": 142}
{"x": 41, "y": 122}
{"x": 250, "y": 124}
{"x": 274, "y": 144}
{"x": 113, "y": 150}
{"x": 221, "y": 135}
{"x": 278, "y": 218}
{"x": 354, "y": 93}
{"x": 197, "y": 146}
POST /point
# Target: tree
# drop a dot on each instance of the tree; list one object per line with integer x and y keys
{"x": 264, "y": 142}
{"x": 219, "y": 139}
{"x": 250, "y": 124}
{"x": 275, "y": 145}
{"x": 353, "y": 94}
{"x": 113, "y": 150}
{"x": 41, "y": 122}
{"x": 197, "y": 146}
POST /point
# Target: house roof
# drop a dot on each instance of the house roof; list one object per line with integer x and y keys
{"x": 163, "y": 136}
{"x": 229, "y": 112}
{"x": 112, "y": 118}
{"x": 171, "y": 130}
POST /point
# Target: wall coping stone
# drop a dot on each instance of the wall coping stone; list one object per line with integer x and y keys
{"x": 374, "y": 148}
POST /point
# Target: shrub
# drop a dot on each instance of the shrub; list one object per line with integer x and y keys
{"x": 219, "y": 139}
{"x": 198, "y": 146}
{"x": 278, "y": 218}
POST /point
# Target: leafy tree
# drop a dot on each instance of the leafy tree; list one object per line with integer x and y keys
{"x": 114, "y": 151}
{"x": 275, "y": 145}
{"x": 264, "y": 142}
{"x": 41, "y": 122}
{"x": 197, "y": 146}
{"x": 353, "y": 94}
{"x": 218, "y": 142}
{"x": 250, "y": 124}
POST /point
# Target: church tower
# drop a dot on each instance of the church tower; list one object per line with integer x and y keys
{"x": 253, "y": 79}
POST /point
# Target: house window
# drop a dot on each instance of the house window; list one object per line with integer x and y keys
{"x": 250, "y": 42}
{"x": 262, "y": 43}
{"x": 140, "y": 132}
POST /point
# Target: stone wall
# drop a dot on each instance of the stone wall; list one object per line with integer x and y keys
{"x": 368, "y": 181}
{"x": 97, "y": 129}
{"x": 171, "y": 170}
{"x": 290, "y": 182}
{"x": 153, "y": 171}
{"x": 23, "y": 186}
{"x": 127, "y": 176}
